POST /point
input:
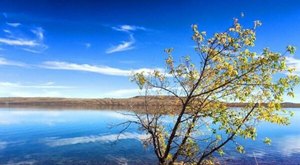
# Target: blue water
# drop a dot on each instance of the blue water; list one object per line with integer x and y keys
{"x": 37, "y": 136}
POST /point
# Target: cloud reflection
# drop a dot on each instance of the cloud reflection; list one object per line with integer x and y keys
{"x": 55, "y": 142}
{"x": 3, "y": 145}
{"x": 289, "y": 145}
{"x": 59, "y": 117}
{"x": 25, "y": 117}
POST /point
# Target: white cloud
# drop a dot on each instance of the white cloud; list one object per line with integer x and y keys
{"x": 39, "y": 32}
{"x": 11, "y": 89}
{"x": 4, "y": 61}
{"x": 293, "y": 62}
{"x": 18, "y": 42}
{"x": 106, "y": 70}
{"x": 14, "y": 24}
{"x": 30, "y": 93}
{"x": 6, "y": 31}
{"x": 28, "y": 38}
{"x": 33, "y": 51}
{"x": 128, "y": 28}
{"x": 49, "y": 83}
{"x": 55, "y": 142}
{"x": 123, "y": 46}
{"x": 38, "y": 86}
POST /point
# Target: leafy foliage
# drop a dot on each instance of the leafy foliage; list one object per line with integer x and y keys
{"x": 227, "y": 71}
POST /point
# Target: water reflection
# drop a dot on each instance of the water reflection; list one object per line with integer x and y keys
{"x": 85, "y": 136}
{"x": 289, "y": 145}
{"x": 3, "y": 145}
{"x": 55, "y": 142}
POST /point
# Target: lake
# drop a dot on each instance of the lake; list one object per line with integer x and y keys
{"x": 38, "y": 136}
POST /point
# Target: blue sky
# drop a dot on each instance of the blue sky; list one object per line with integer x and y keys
{"x": 88, "y": 48}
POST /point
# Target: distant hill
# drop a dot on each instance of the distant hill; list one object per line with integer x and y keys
{"x": 137, "y": 102}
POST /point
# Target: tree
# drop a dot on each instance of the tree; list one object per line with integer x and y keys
{"x": 228, "y": 70}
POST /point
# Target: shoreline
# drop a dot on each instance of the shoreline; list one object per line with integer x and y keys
{"x": 135, "y": 103}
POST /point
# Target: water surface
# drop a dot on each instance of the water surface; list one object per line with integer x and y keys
{"x": 37, "y": 136}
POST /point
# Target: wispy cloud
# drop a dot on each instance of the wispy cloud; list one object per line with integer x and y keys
{"x": 293, "y": 62}
{"x": 123, "y": 46}
{"x": 128, "y": 28}
{"x": 6, "y": 31}
{"x": 33, "y": 51}
{"x": 16, "y": 92}
{"x": 4, "y": 61}
{"x": 27, "y": 38}
{"x": 39, "y": 32}
{"x": 18, "y": 42}
{"x": 105, "y": 70}
{"x": 39, "y": 39}
{"x": 48, "y": 89}
{"x": 14, "y": 24}
{"x": 38, "y": 86}
{"x": 55, "y": 142}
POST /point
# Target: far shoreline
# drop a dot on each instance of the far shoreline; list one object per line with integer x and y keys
{"x": 136, "y": 103}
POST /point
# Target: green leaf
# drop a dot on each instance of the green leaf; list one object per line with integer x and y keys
{"x": 221, "y": 152}
{"x": 240, "y": 149}
{"x": 291, "y": 49}
{"x": 267, "y": 141}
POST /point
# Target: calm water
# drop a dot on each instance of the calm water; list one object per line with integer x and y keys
{"x": 86, "y": 137}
